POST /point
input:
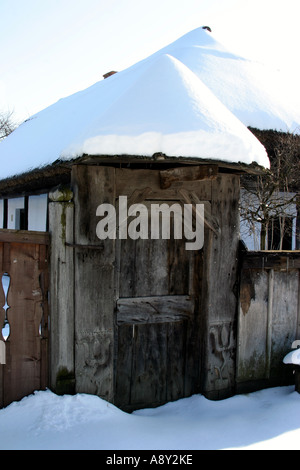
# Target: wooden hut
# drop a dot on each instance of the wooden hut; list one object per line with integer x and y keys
{"x": 142, "y": 322}
{"x": 137, "y": 321}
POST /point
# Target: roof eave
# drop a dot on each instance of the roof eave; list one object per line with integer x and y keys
{"x": 41, "y": 180}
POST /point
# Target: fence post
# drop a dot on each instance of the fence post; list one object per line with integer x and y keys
{"x": 270, "y": 322}
{"x": 61, "y": 214}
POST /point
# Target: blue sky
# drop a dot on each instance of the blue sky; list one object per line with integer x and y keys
{"x": 53, "y": 48}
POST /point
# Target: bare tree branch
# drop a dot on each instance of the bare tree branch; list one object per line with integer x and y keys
{"x": 7, "y": 125}
{"x": 273, "y": 195}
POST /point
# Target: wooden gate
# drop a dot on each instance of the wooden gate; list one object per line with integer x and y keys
{"x": 24, "y": 313}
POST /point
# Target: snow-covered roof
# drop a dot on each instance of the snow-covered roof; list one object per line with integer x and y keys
{"x": 256, "y": 94}
{"x": 191, "y": 99}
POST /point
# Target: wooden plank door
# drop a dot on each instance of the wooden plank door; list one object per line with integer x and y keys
{"x": 159, "y": 291}
{"x": 24, "y": 262}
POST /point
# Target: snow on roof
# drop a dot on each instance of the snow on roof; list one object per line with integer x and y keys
{"x": 256, "y": 94}
{"x": 176, "y": 102}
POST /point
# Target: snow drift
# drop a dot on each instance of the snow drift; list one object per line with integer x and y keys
{"x": 268, "y": 419}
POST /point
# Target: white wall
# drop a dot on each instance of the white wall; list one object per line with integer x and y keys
{"x": 37, "y": 212}
{"x": 12, "y": 206}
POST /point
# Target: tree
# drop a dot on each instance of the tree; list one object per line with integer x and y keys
{"x": 7, "y": 125}
{"x": 269, "y": 199}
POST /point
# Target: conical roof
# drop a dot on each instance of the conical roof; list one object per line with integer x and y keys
{"x": 255, "y": 93}
{"x": 160, "y": 104}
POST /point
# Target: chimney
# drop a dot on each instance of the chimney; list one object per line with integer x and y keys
{"x": 108, "y": 74}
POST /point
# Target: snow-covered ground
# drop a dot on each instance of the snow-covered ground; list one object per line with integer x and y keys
{"x": 266, "y": 420}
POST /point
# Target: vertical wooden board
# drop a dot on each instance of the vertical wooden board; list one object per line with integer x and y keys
{"x": 143, "y": 268}
{"x": 22, "y": 375}
{"x": 149, "y": 365}
{"x": 44, "y": 332}
{"x": 6, "y": 257}
{"x": 284, "y": 318}
{"x": 154, "y": 267}
{"x": 94, "y": 283}
{"x": 176, "y": 360}
{"x": 61, "y": 226}
{"x": 92, "y": 186}
{"x": 157, "y": 267}
{"x": 193, "y": 351}
{"x": 179, "y": 263}
{"x": 193, "y": 330}
{"x": 223, "y": 249}
{"x": 221, "y": 268}
{"x": 252, "y": 328}
{"x": 94, "y": 324}
{"x": 123, "y": 372}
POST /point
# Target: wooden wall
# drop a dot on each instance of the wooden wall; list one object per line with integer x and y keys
{"x": 151, "y": 321}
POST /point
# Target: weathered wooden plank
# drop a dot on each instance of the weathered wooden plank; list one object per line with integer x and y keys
{"x": 176, "y": 360}
{"x": 94, "y": 283}
{"x": 159, "y": 266}
{"x": 143, "y": 268}
{"x": 221, "y": 276}
{"x": 23, "y": 362}
{"x": 149, "y": 365}
{"x": 123, "y": 369}
{"x": 24, "y": 236}
{"x": 252, "y": 327}
{"x": 160, "y": 309}
{"x": 267, "y": 324}
{"x": 277, "y": 260}
{"x": 222, "y": 250}
{"x": 190, "y": 197}
{"x": 44, "y": 331}
{"x": 194, "y": 173}
{"x": 283, "y": 329}
{"x": 6, "y": 259}
{"x": 61, "y": 225}
{"x": 128, "y": 181}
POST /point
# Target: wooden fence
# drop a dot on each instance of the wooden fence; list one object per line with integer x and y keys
{"x": 24, "y": 312}
{"x": 268, "y": 318}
